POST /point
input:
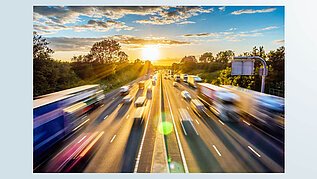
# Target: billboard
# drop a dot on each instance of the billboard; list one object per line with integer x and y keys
{"x": 242, "y": 67}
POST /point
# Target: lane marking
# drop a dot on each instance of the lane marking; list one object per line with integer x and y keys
{"x": 81, "y": 139}
{"x": 105, "y": 117}
{"x": 197, "y": 121}
{"x": 221, "y": 122}
{"x": 81, "y": 124}
{"x": 102, "y": 105}
{"x": 142, "y": 141}
{"x": 246, "y": 122}
{"x": 177, "y": 137}
{"x": 113, "y": 138}
{"x": 254, "y": 151}
{"x": 187, "y": 108}
{"x": 128, "y": 116}
{"x": 217, "y": 150}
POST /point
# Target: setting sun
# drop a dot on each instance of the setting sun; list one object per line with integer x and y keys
{"x": 150, "y": 52}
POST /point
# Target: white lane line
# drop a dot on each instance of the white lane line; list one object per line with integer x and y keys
{"x": 81, "y": 139}
{"x": 197, "y": 121}
{"x": 246, "y": 122}
{"x": 221, "y": 122}
{"x": 216, "y": 150}
{"x": 113, "y": 138}
{"x": 102, "y": 105}
{"x": 142, "y": 141}
{"x": 128, "y": 116}
{"x": 177, "y": 137}
{"x": 254, "y": 151}
{"x": 105, "y": 117}
{"x": 187, "y": 108}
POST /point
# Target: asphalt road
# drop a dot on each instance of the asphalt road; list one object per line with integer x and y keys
{"x": 159, "y": 143}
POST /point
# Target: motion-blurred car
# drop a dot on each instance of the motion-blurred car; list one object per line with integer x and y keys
{"x": 175, "y": 84}
{"x": 187, "y": 123}
{"x": 197, "y": 106}
{"x": 149, "y": 93}
{"x": 164, "y": 77}
{"x": 169, "y": 77}
{"x": 141, "y": 85}
{"x": 127, "y": 99}
{"x": 140, "y": 101}
{"x": 186, "y": 95}
{"x": 68, "y": 160}
{"x": 124, "y": 90}
{"x": 139, "y": 115}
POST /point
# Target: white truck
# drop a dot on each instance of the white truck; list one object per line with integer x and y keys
{"x": 264, "y": 110}
{"x": 219, "y": 100}
{"x": 193, "y": 80}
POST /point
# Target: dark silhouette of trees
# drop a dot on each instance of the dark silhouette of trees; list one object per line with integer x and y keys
{"x": 207, "y": 57}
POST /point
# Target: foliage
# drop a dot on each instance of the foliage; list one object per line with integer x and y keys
{"x": 207, "y": 57}
{"x": 49, "y": 75}
{"x": 104, "y": 64}
{"x": 275, "y": 79}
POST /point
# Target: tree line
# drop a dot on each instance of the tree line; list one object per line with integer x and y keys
{"x": 209, "y": 63}
{"x": 105, "y": 64}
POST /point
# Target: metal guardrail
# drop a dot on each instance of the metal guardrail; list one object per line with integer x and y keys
{"x": 276, "y": 92}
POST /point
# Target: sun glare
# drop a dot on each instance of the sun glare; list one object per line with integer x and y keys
{"x": 150, "y": 52}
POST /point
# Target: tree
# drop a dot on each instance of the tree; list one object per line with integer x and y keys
{"x": 40, "y": 47}
{"x": 122, "y": 57}
{"x": 105, "y": 51}
{"x": 224, "y": 56}
{"x": 49, "y": 75}
{"x": 206, "y": 57}
{"x": 189, "y": 59}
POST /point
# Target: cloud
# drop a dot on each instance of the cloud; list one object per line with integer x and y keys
{"x": 127, "y": 41}
{"x": 51, "y": 19}
{"x": 232, "y": 29}
{"x": 96, "y": 25}
{"x": 250, "y": 35}
{"x": 279, "y": 41}
{"x": 251, "y": 11}
{"x": 223, "y": 8}
{"x": 176, "y": 15}
{"x": 267, "y": 28}
{"x": 102, "y": 25}
{"x": 233, "y": 38}
{"x": 200, "y": 35}
{"x": 187, "y": 22}
{"x": 68, "y": 14}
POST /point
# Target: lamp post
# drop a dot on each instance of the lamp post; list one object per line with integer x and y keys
{"x": 264, "y": 72}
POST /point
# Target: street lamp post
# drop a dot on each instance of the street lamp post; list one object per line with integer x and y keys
{"x": 265, "y": 70}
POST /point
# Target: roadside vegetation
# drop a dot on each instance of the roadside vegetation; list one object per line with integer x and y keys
{"x": 216, "y": 69}
{"x": 105, "y": 64}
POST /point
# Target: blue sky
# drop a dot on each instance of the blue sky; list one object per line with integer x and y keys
{"x": 175, "y": 31}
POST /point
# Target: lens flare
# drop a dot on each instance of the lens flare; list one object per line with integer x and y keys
{"x": 165, "y": 127}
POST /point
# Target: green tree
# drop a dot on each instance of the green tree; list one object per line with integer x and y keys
{"x": 224, "y": 56}
{"x": 105, "y": 51}
{"x": 206, "y": 57}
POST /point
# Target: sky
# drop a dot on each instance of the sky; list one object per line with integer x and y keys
{"x": 162, "y": 34}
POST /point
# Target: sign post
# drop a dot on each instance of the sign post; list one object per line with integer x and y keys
{"x": 245, "y": 65}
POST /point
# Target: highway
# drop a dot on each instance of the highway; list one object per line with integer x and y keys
{"x": 159, "y": 144}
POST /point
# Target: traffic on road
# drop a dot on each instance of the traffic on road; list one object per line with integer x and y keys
{"x": 159, "y": 123}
